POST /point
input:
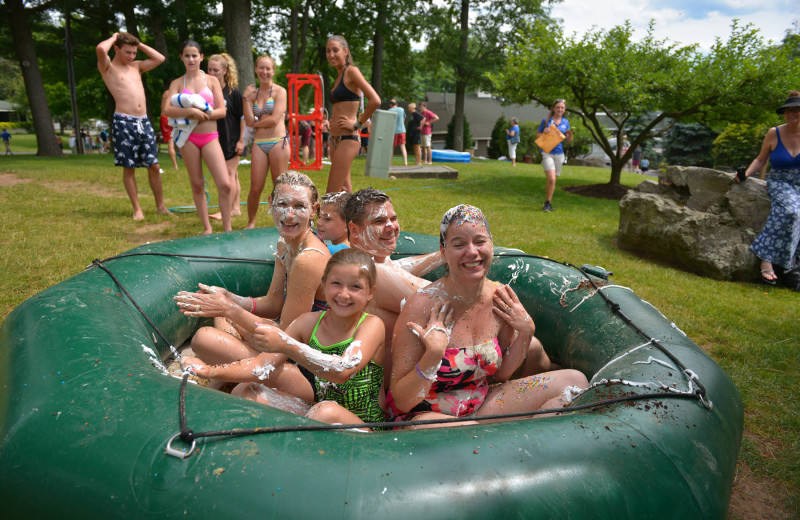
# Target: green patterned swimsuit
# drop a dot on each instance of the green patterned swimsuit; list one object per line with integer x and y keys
{"x": 360, "y": 393}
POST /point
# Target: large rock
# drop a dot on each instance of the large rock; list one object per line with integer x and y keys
{"x": 697, "y": 218}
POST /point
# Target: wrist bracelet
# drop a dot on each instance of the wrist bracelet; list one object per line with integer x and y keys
{"x": 253, "y": 310}
{"x": 425, "y": 377}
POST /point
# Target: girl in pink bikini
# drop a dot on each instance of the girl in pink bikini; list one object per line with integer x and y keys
{"x": 203, "y": 142}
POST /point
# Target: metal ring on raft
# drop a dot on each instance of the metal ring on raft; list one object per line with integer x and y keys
{"x": 181, "y": 454}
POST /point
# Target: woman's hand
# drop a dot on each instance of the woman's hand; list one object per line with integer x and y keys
{"x": 436, "y": 335}
{"x": 199, "y": 115}
{"x": 345, "y": 123}
{"x": 250, "y": 93}
{"x": 196, "y": 366}
{"x": 203, "y": 305}
{"x": 509, "y": 308}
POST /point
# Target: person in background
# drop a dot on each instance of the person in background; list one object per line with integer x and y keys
{"x": 231, "y": 127}
{"x": 399, "y": 130}
{"x": 166, "y": 130}
{"x": 644, "y": 165}
{"x": 426, "y": 132}
{"x": 346, "y": 97}
{"x": 134, "y": 139}
{"x": 6, "y": 135}
{"x": 265, "y": 112}
{"x": 512, "y": 136}
{"x": 199, "y": 141}
{"x": 364, "y": 135}
{"x": 554, "y": 160}
{"x": 777, "y": 244}
{"x": 413, "y": 134}
{"x": 637, "y": 157}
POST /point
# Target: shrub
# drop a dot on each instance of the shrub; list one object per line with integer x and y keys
{"x": 738, "y": 145}
{"x": 497, "y": 144}
{"x": 581, "y": 140}
{"x": 527, "y": 141}
{"x": 448, "y": 140}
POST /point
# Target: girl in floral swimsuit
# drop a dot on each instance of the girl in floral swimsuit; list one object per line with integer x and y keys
{"x": 455, "y": 333}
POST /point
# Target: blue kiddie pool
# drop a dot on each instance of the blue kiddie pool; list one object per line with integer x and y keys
{"x": 450, "y": 156}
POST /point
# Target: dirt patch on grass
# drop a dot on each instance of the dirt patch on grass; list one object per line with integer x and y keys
{"x": 9, "y": 179}
{"x": 82, "y": 187}
{"x": 599, "y": 191}
{"x": 151, "y": 233}
{"x": 752, "y": 497}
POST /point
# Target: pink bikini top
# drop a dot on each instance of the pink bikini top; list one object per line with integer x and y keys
{"x": 206, "y": 93}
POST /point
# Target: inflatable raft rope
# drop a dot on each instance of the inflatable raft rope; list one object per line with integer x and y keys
{"x": 695, "y": 390}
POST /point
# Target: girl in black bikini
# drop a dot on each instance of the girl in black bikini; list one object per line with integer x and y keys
{"x": 345, "y": 121}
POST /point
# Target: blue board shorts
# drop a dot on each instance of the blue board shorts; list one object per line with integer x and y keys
{"x": 134, "y": 141}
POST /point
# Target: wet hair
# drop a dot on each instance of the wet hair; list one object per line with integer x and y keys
{"x": 356, "y": 208}
{"x": 337, "y": 200}
{"x": 126, "y": 38}
{"x": 355, "y": 257}
{"x": 293, "y": 178}
{"x": 190, "y": 43}
{"x": 463, "y": 213}
{"x": 337, "y": 38}
{"x": 231, "y": 72}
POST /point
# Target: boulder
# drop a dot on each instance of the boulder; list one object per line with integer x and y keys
{"x": 697, "y": 218}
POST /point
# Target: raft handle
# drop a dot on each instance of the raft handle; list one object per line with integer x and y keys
{"x": 183, "y": 453}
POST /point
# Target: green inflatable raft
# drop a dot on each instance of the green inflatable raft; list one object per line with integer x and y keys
{"x": 91, "y": 421}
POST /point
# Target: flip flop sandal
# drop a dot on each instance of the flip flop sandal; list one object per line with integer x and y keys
{"x": 767, "y": 280}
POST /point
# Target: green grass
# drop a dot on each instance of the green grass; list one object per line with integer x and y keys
{"x": 59, "y": 214}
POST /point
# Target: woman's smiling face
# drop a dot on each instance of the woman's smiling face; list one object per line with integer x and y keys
{"x": 291, "y": 210}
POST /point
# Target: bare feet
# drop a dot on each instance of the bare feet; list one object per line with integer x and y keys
{"x": 138, "y": 215}
{"x": 216, "y": 216}
{"x": 165, "y": 211}
{"x": 250, "y": 226}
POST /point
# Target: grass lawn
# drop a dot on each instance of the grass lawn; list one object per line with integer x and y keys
{"x": 60, "y": 214}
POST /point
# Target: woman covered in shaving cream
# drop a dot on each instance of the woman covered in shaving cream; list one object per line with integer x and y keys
{"x": 456, "y": 333}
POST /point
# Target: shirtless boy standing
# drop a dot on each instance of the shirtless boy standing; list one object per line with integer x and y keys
{"x": 134, "y": 140}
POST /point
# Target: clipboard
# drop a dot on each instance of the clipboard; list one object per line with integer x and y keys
{"x": 548, "y": 141}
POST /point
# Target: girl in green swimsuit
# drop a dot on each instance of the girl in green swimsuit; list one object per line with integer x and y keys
{"x": 338, "y": 353}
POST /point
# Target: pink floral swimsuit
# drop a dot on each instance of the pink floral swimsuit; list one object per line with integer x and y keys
{"x": 461, "y": 383}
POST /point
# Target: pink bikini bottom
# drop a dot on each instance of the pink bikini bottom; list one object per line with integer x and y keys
{"x": 200, "y": 140}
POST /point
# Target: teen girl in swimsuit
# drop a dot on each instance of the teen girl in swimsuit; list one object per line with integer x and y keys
{"x": 339, "y": 353}
{"x": 296, "y": 286}
{"x": 455, "y": 333}
{"x": 231, "y": 127}
{"x": 345, "y": 121}
{"x": 265, "y": 110}
{"x": 203, "y": 143}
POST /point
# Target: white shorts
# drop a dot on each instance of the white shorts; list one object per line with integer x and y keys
{"x": 512, "y": 150}
{"x": 425, "y": 140}
{"x": 552, "y": 162}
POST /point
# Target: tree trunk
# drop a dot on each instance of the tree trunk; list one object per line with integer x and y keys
{"x": 157, "y": 28}
{"x": 34, "y": 87}
{"x": 461, "y": 81}
{"x": 179, "y": 8}
{"x": 378, "y": 44}
{"x": 236, "y": 15}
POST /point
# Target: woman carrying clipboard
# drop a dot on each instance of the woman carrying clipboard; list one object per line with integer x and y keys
{"x": 553, "y": 130}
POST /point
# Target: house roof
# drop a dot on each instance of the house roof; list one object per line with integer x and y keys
{"x": 481, "y": 112}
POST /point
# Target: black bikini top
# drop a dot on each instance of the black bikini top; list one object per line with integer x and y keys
{"x": 341, "y": 93}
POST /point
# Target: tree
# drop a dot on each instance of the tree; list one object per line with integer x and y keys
{"x": 607, "y": 74}
{"x": 690, "y": 145}
{"x": 474, "y": 49}
{"x": 450, "y": 139}
{"x": 238, "y": 39}
{"x": 18, "y": 19}
{"x": 738, "y": 145}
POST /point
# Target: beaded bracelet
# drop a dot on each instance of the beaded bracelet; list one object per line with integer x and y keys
{"x": 253, "y": 310}
{"x": 423, "y": 376}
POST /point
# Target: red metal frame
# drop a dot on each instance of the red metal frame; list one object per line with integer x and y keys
{"x": 297, "y": 82}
